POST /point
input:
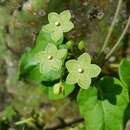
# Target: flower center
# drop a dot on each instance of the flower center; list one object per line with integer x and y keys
{"x": 80, "y": 70}
{"x": 50, "y": 57}
{"x": 57, "y": 23}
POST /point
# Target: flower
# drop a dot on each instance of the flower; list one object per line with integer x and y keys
{"x": 81, "y": 71}
{"x": 58, "y": 23}
{"x": 51, "y": 61}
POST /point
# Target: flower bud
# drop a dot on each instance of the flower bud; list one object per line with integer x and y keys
{"x": 58, "y": 88}
{"x": 81, "y": 45}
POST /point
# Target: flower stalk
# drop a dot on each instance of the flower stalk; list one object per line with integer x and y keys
{"x": 119, "y": 40}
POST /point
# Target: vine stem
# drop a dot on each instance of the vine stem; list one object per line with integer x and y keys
{"x": 24, "y": 121}
{"x": 111, "y": 27}
{"x": 119, "y": 40}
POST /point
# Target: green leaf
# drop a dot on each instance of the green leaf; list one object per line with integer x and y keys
{"x": 9, "y": 112}
{"x": 124, "y": 71}
{"x": 104, "y": 109}
{"x": 35, "y": 75}
{"x": 67, "y": 90}
{"x": 51, "y": 71}
{"x": 38, "y": 4}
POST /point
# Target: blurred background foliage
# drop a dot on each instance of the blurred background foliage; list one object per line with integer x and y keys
{"x": 20, "y": 23}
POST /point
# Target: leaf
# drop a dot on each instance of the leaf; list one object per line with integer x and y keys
{"x": 124, "y": 71}
{"x": 104, "y": 109}
{"x": 38, "y": 4}
{"x": 67, "y": 90}
{"x": 34, "y": 75}
{"x": 9, "y": 112}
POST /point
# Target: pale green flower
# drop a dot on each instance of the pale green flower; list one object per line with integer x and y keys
{"x": 51, "y": 61}
{"x": 58, "y": 24}
{"x": 81, "y": 71}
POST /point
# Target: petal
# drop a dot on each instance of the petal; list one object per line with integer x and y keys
{"x": 51, "y": 50}
{"x": 66, "y": 27}
{"x": 57, "y": 34}
{"x": 72, "y": 66}
{"x": 55, "y": 65}
{"x": 48, "y": 28}
{"x": 40, "y": 56}
{"x": 53, "y": 17}
{"x": 65, "y": 16}
{"x": 84, "y": 82}
{"x": 93, "y": 70}
{"x": 84, "y": 59}
{"x": 44, "y": 68}
{"x": 50, "y": 72}
{"x": 61, "y": 54}
{"x": 72, "y": 78}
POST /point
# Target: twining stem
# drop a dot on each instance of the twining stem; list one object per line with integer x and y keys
{"x": 119, "y": 40}
{"x": 111, "y": 27}
{"x": 24, "y": 121}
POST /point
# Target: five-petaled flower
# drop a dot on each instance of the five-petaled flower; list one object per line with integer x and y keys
{"x": 81, "y": 71}
{"x": 58, "y": 24}
{"x": 51, "y": 61}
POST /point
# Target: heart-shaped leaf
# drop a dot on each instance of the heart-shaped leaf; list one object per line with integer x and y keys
{"x": 124, "y": 71}
{"x": 104, "y": 109}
